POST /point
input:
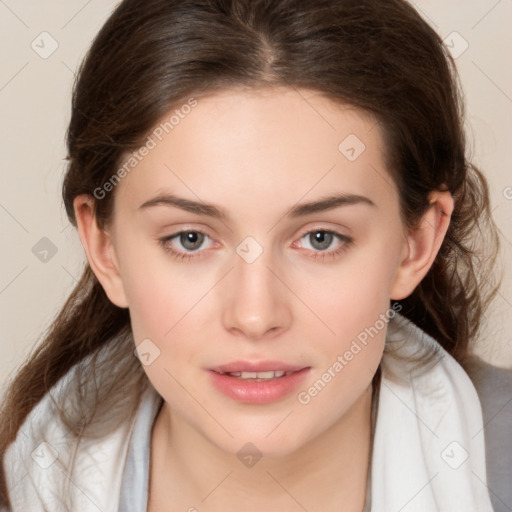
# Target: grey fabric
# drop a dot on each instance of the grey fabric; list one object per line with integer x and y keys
{"x": 134, "y": 489}
{"x": 494, "y": 388}
{"x": 375, "y": 409}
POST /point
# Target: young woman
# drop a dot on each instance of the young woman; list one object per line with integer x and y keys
{"x": 283, "y": 279}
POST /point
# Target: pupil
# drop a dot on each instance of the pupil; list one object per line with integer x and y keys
{"x": 191, "y": 240}
{"x": 321, "y": 240}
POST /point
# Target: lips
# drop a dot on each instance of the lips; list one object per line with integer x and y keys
{"x": 257, "y": 382}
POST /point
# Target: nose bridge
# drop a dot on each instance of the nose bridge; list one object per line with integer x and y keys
{"x": 256, "y": 303}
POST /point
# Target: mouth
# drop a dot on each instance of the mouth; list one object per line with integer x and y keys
{"x": 257, "y": 383}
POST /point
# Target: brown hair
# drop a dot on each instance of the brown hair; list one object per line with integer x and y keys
{"x": 381, "y": 57}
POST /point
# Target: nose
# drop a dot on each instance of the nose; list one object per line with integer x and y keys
{"x": 257, "y": 306}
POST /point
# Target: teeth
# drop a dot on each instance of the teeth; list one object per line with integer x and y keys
{"x": 259, "y": 375}
{"x": 255, "y": 375}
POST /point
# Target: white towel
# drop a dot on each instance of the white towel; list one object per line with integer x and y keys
{"x": 428, "y": 451}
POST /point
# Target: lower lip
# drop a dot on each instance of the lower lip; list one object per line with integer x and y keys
{"x": 258, "y": 392}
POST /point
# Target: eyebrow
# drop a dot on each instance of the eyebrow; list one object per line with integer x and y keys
{"x": 301, "y": 210}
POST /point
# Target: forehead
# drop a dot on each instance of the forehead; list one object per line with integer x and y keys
{"x": 239, "y": 145}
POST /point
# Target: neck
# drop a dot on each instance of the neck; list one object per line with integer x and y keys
{"x": 328, "y": 472}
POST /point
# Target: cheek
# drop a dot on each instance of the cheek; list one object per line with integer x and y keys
{"x": 352, "y": 296}
{"x": 165, "y": 309}
{"x": 169, "y": 305}
{"x": 160, "y": 292}
{"x": 355, "y": 307}
{"x": 353, "y": 303}
{"x": 153, "y": 306}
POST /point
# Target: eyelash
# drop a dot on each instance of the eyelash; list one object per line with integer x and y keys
{"x": 345, "y": 240}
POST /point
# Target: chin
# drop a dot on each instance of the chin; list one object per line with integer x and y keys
{"x": 270, "y": 439}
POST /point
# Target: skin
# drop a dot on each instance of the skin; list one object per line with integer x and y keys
{"x": 256, "y": 154}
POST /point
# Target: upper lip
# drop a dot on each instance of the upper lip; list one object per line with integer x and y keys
{"x": 256, "y": 366}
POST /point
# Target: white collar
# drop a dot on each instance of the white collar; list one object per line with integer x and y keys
{"x": 428, "y": 452}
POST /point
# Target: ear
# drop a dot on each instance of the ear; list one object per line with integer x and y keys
{"x": 423, "y": 244}
{"x": 99, "y": 249}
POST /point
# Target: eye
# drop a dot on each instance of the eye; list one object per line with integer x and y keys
{"x": 191, "y": 240}
{"x": 321, "y": 240}
{"x": 184, "y": 243}
{"x": 188, "y": 244}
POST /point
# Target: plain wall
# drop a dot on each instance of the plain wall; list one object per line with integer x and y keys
{"x": 42, "y": 257}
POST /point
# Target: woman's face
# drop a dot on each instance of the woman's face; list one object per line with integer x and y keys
{"x": 292, "y": 245}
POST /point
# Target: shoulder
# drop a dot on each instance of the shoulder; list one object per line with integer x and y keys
{"x": 494, "y": 389}
{"x": 47, "y": 466}
{"x": 31, "y": 459}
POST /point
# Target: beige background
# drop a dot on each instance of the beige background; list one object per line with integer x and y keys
{"x": 35, "y": 92}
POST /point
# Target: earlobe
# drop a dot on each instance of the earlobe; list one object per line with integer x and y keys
{"x": 99, "y": 250}
{"x": 423, "y": 244}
